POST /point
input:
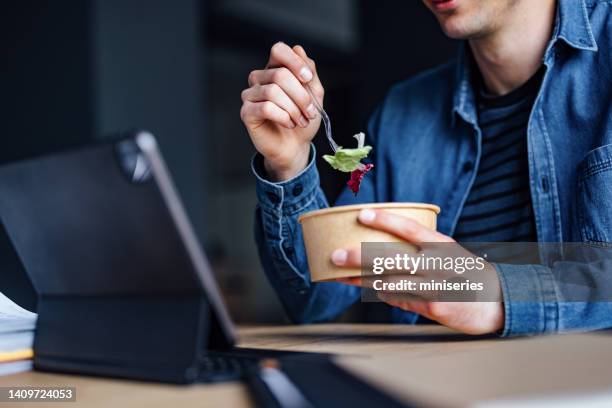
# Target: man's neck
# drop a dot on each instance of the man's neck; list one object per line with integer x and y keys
{"x": 508, "y": 57}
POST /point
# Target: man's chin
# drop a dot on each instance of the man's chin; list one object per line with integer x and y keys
{"x": 455, "y": 29}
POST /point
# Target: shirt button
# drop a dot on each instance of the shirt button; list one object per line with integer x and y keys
{"x": 273, "y": 197}
{"x": 297, "y": 190}
{"x": 468, "y": 166}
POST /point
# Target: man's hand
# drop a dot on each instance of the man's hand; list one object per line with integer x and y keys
{"x": 467, "y": 317}
{"x": 278, "y": 112}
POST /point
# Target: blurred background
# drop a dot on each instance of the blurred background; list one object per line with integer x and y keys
{"x": 78, "y": 71}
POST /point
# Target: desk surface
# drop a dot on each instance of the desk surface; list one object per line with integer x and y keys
{"x": 412, "y": 362}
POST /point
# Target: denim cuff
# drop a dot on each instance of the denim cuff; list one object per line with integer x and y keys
{"x": 287, "y": 197}
{"x": 531, "y": 303}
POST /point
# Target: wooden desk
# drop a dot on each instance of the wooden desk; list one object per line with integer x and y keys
{"x": 427, "y": 364}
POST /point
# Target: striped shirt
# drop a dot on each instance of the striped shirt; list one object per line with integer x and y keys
{"x": 498, "y": 207}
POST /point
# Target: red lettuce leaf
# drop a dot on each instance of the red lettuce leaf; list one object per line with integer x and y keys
{"x": 357, "y": 176}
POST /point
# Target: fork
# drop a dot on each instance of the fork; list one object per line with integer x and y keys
{"x": 325, "y": 118}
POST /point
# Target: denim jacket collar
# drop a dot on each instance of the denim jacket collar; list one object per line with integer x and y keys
{"x": 572, "y": 26}
{"x": 464, "y": 100}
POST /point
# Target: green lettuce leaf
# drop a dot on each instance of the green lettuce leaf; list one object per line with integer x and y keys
{"x": 347, "y": 160}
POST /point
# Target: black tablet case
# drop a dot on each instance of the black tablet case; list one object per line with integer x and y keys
{"x": 118, "y": 291}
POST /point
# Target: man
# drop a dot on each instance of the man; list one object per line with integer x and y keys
{"x": 520, "y": 126}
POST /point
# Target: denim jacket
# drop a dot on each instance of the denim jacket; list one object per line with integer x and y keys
{"x": 427, "y": 147}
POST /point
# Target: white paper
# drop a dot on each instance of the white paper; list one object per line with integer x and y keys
{"x": 16, "y": 326}
{"x": 14, "y": 318}
{"x": 15, "y": 367}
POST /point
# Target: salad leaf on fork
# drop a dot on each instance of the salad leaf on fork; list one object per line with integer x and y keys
{"x": 349, "y": 161}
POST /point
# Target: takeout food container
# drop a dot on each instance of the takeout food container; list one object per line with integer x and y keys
{"x": 338, "y": 227}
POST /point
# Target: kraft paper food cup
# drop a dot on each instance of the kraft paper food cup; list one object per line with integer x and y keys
{"x": 337, "y": 227}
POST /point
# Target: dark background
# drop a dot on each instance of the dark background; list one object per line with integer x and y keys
{"x": 75, "y": 71}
